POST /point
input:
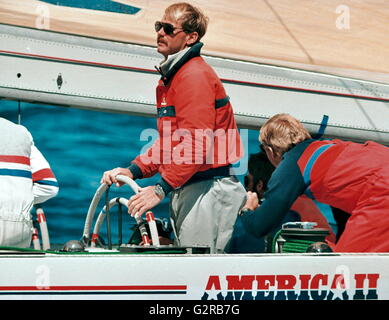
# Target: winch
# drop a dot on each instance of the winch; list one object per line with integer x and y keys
{"x": 300, "y": 237}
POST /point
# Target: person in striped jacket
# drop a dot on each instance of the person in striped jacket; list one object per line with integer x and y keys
{"x": 350, "y": 176}
{"x": 25, "y": 179}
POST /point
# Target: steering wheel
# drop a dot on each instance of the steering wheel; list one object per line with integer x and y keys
{"x": 105, "y": 214}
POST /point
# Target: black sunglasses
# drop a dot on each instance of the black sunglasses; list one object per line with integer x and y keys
{"x": 168, "y": 28}
{"x": 262, "y": 147}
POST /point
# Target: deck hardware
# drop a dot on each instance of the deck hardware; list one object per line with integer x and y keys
{"x": 59, "y": 81}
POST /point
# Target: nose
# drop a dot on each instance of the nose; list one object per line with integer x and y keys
{"x": 161, "y": 32}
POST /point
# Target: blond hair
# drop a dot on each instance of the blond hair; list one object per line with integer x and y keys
{"x": 192, "y": 19}
{"x": 282, "y": 132}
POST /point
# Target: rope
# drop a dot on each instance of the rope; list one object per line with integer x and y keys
{"x": 291, "y": 245}
{"x": 296, "y": 246}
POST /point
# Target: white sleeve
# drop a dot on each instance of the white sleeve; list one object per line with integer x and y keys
{"x": 45, "y": 185}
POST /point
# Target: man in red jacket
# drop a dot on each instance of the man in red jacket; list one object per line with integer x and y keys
{"x": 350, "y": 176}
{"x": 198, "y": 139}
{"x": 303, "y": 209}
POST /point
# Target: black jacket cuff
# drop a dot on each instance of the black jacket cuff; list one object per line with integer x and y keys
{"x": 135, "y": 170}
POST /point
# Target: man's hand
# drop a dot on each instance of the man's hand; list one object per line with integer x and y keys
{"x": 252, "y": 201}
{"x": 109, "y": 177}
{"x": 142, "y": 202}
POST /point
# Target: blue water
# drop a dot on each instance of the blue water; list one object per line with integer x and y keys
{"x": 80, "y": 145}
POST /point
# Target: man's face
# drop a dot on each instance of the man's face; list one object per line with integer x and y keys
{"x": 249, "y": 182}
{"x": 253, "y": 186}
{"x": 168, "y": 44}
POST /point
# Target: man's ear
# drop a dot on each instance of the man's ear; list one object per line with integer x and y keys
{"x": 192, "y": 38}
{"x": 273, "y": 156}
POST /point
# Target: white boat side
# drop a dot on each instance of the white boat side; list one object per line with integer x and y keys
{"x": 195, "y": 277}
{"x": 52, "y": 68}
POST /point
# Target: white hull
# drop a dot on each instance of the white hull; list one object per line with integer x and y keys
{"x": 47, "y": 67}
{"x": 194, "y": 277}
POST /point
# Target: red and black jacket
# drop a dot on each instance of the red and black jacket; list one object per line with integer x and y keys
{"x": 333, "y": 172}
{"x": 198, "y": 135}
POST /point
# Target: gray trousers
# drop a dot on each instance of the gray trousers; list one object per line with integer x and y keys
{"x": 204, "y": 212}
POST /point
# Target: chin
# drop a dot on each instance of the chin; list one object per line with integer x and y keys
{"x": 162, "y": 50}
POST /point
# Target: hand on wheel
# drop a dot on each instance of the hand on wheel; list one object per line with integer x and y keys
{"x": 109, "y": 177}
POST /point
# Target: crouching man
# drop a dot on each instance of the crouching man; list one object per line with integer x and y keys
{"x": 350, "y": 176}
